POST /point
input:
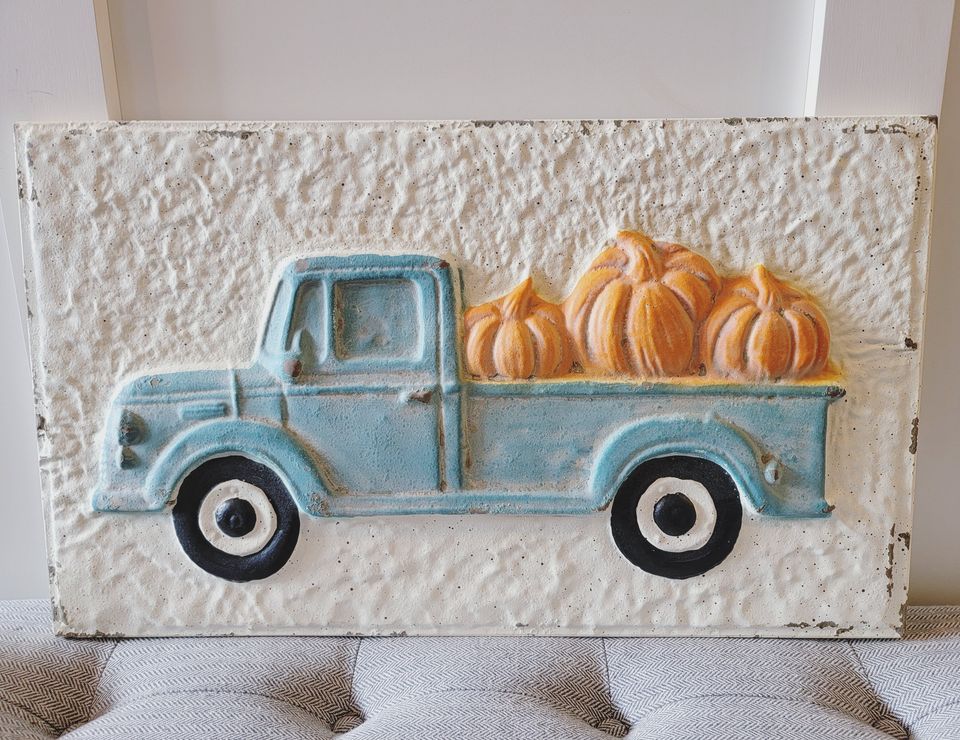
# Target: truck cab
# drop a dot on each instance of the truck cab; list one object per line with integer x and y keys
{"x": 366, "y": 351}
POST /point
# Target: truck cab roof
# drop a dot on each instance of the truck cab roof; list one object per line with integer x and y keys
{"x": 373, "y": 262}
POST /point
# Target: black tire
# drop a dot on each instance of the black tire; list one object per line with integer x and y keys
{"x": 186, "y": 520}
{"x": 644, "y": 554}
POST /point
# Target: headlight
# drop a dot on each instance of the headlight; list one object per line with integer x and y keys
{"x": 132, "y": 429}
{"x": 127, "y": 458}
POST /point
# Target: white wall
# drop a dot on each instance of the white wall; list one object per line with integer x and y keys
{"x": 935, "y": 574}
{"x": 461, "y": 59}
{"x": 49, "y": 71}
{"x": 297, "y": 59}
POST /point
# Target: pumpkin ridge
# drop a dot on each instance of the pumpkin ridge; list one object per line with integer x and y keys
{"x": 747, "y": 332}
{"x": 802, "y": 327}
{"x": 551, "y": 349}
{"x": 678, "y": 337}
{"x": 716, "y": 319}
{"x": 690, "y": 290}
{"x": 696, "y": 265}
{"x": 474, "y": 315}
{"x": 728, "y": 353}
{"x": 479, "y": 349}
{"x": 812, "y": 312}
{"x": 611, "y": 258}
{"x": 606, "y": 326}
{"x": 513, "y": 350}
{"x": 660, "y": 332}
{"x": 637, "y": 355}
{"x": 578, "y": 306}
{"x": 769, "y": 346}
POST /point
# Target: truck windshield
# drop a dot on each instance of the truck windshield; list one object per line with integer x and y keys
{"x": 276, "y": 323}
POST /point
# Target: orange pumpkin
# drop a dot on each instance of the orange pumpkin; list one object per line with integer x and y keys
{"x": 517, "y": 336}
{"x": 764, "y": 329}
{"x": 637, "y": 309}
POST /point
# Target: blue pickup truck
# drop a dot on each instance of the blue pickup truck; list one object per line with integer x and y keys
{"x": 357, "y": 405}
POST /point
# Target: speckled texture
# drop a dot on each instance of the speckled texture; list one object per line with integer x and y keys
{"x": 151, "y": 246}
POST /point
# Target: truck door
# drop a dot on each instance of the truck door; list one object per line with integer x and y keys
{"x": 367, "y": 393}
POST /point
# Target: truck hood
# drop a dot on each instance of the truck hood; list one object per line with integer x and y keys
{"x": 196, "y": 384}
{"x": 177, "y": 385}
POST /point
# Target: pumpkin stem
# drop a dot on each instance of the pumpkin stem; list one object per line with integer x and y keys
{"x": 769, "y": 289}
{"x": 645, "y": 259}
{"x": 516, "y": 303}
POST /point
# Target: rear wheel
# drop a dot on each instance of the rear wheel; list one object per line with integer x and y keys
{"x": 677, "y": 516}
{"x": 235, "y": 519}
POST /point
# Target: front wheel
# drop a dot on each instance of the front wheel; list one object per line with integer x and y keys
{"x": 676, "y": 517}
{"x": 235, "y": 519}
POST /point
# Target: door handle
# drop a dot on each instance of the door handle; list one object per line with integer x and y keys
{"x": 421, "y": 395}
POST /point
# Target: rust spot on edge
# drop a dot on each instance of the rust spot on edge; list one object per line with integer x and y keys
{"x": 889, "y": 570}
{"x": 914, "y": 434}
{"x": 293, "y": 368}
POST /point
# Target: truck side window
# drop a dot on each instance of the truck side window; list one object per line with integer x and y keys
{"x": 377, "y": 319}
{"x": 308, "y": 322}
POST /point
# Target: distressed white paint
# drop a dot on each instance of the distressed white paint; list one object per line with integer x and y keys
{"x": 153, "y": 246}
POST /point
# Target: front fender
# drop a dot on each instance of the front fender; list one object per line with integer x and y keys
{"x": 267, "y": 444}
{"x": 710, "y": 438}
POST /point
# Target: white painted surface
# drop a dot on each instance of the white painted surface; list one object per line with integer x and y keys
{"x": 176, "y": 230}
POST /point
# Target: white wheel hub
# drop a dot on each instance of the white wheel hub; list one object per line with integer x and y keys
{"x": 704, "y": 524}
{"x": 254, "y": 540}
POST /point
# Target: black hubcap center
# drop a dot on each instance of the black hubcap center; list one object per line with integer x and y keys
{"x": 674, "y": 514}
{"x": 236, "y": 517}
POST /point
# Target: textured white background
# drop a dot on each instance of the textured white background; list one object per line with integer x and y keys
{"x": 154, "y": 246}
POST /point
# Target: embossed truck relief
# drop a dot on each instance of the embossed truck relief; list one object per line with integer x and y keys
{"x": 657, "y": 390}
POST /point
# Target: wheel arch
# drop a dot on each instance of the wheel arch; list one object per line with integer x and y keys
{"x": 263, "y": 443}
{"x": 706, "y": 437}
